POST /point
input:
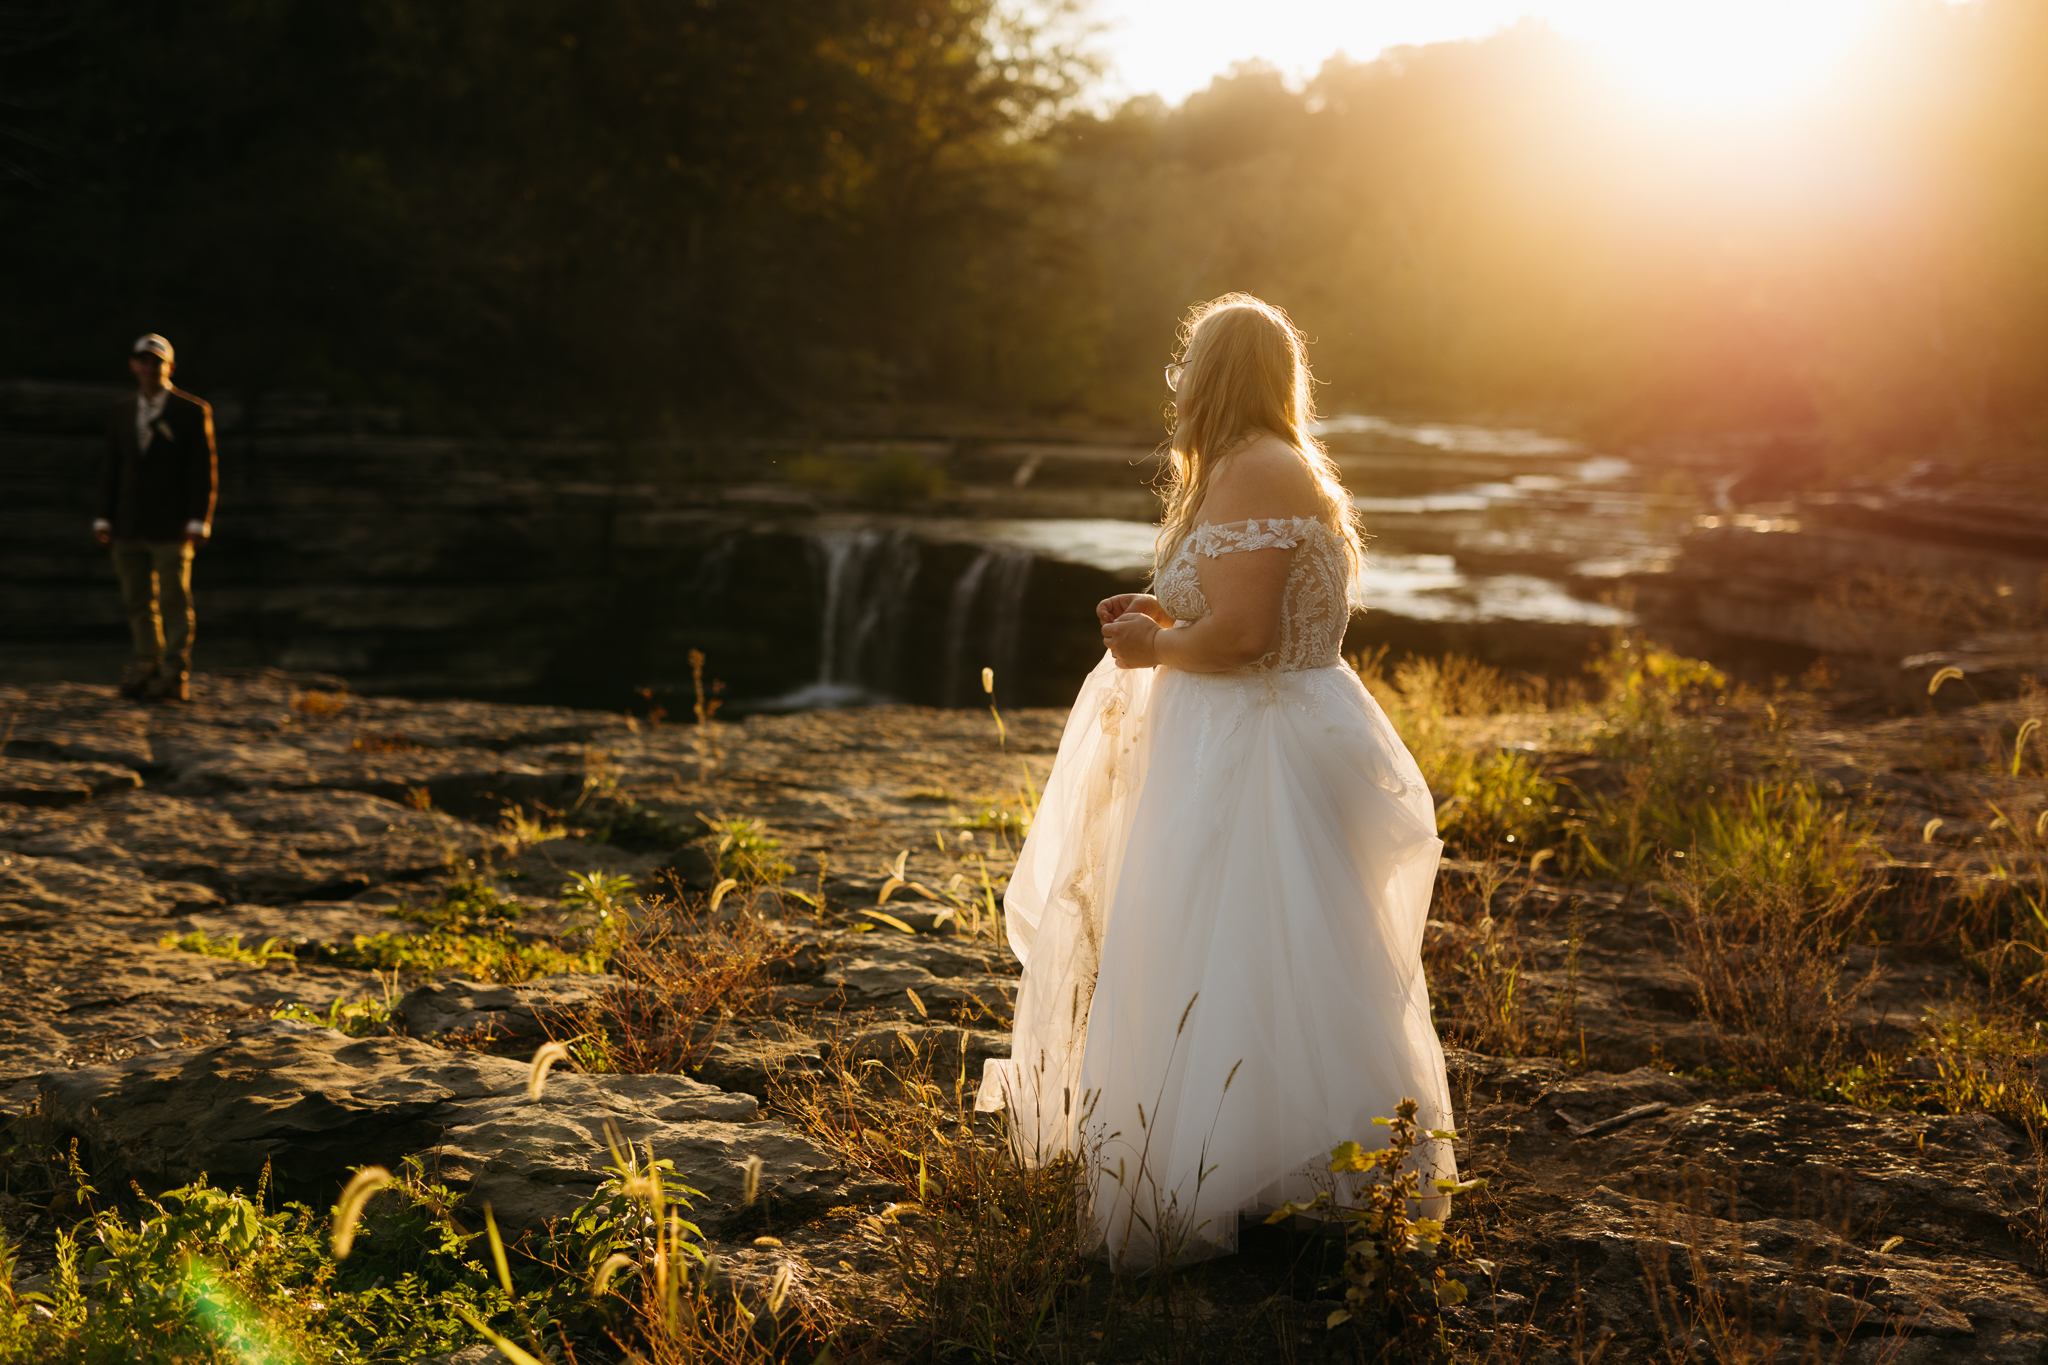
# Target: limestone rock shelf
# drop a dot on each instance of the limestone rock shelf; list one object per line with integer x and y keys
{"x": 275, "y": 807}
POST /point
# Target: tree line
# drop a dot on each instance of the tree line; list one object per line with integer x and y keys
{"x": 660, "y": 214}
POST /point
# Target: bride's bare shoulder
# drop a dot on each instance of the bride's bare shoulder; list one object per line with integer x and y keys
{"x": 1262, "y": 479}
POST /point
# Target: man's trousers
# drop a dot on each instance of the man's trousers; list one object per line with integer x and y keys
{"x": 156, "y": 583}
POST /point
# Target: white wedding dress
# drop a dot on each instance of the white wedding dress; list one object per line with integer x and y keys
{"x": 1219, "y": 910}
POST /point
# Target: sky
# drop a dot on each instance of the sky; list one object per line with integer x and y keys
{"x": 1705, "y": 56}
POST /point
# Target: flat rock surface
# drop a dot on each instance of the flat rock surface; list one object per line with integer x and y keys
{"x": 279, "y": 807}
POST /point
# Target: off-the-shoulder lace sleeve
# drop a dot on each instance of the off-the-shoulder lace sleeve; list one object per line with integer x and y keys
{"x": 1279, "y": 533}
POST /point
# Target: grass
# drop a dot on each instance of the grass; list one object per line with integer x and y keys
{"x": 1774, "y": 894}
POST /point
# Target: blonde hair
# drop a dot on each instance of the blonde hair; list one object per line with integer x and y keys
{"x": 1244, "y": 374}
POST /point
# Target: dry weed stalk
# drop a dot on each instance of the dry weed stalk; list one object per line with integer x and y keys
{"x": 1479, "y": 962}
{"x": 692, "y": 973}
{"x": 1708, "y": 1302}
{"x": 984, "y": 1247}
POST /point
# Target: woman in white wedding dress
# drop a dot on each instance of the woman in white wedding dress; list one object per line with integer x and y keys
{"x": 1220, "y": 905}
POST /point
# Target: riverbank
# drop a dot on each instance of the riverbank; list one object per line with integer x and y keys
{"x": 845, "y": 566}
{"x": 1650, "y": 1179}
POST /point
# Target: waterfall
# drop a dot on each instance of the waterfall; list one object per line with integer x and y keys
{"x": 983, "y": 620}
{"x": 866, "y": 575}
{"x": 959, "y": 623}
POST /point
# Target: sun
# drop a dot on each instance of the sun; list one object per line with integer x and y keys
{"x": 1724, "y": 57}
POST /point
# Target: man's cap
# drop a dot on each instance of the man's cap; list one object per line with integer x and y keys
{"x": 154, "y": 345}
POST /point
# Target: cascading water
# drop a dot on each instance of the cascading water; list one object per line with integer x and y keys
{"x": 986, "y": 611}
{"x": 865, "y": 574}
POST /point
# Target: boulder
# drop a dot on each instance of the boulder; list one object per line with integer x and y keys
{"x": 313, "y": 1103}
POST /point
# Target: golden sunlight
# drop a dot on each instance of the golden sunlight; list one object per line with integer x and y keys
{"x": 1725, "y": 57}
{"x": 1706, "y": 57}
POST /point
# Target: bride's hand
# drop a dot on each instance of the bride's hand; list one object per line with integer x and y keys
{"x": 1133, "y": 639}
{"x": 1124, "y": 603}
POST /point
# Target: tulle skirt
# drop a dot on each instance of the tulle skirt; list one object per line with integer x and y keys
{"x": 1220, "y": 910}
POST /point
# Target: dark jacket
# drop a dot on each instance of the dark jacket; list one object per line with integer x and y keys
{"x": 151, "y": 494}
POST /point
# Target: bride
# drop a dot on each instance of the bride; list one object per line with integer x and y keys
{"x": 1220, "y": 906}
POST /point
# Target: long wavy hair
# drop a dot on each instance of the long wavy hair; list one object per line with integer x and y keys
{"x": 1244, "y": 375}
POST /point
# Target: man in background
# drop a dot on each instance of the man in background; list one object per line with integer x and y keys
{"x": 157, "y": 490}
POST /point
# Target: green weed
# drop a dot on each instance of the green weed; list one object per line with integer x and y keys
{"x": 490, "y": 955}
{"x": 1395, "y": 1277}
{"x": 1658, "y": 733}
{"x": 229, "y": 948}
{"x": 747, "y": 853}
{"x": 1489, "y": 800}
{"x": 356, "y": 1018}
{"x": 206, "y": 1276}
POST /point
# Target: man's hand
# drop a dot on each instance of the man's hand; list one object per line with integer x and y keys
{"x": 1133, "y": 639}
{"x": 197, "y": 534}
{"x": 102, "y": 532}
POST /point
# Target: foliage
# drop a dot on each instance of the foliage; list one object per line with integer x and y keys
{"x": 639, "y": 207}
{"x": 199, "y": 941}
{"x": 985, "y": 1247}
{"x": 522, "y": 828}
{"x": 1478, "y": 958}
{"x": 692, "y": 974}
{"x": 605, "y": 898}
{"x": 490, "y": 955}
{"x": 747, "y": 852}
{"x": 1488, "y": 801}
{"x": 356, "y": 1018}
{"x": 469, "y": 931}
{"x": 1395, "y": 1276}
{"x": 643, "y": 208}
{"x": 1658, "y": 730}
{"x": 207, "y": 1276}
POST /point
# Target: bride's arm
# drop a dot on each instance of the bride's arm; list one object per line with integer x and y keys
{"x": 1246, "y": 589}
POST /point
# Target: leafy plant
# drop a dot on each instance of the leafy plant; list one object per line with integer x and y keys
{"x": 1395, "y": 1277}
{"x": 605, "y": 898}
{"x": 747, "y": 853}
{"x": 356, "y": 1018}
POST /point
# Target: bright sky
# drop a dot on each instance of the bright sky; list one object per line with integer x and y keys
{"x": 1704, "y": 56}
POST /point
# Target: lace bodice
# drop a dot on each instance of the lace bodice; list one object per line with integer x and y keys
{"x": 1318, "y": 602}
